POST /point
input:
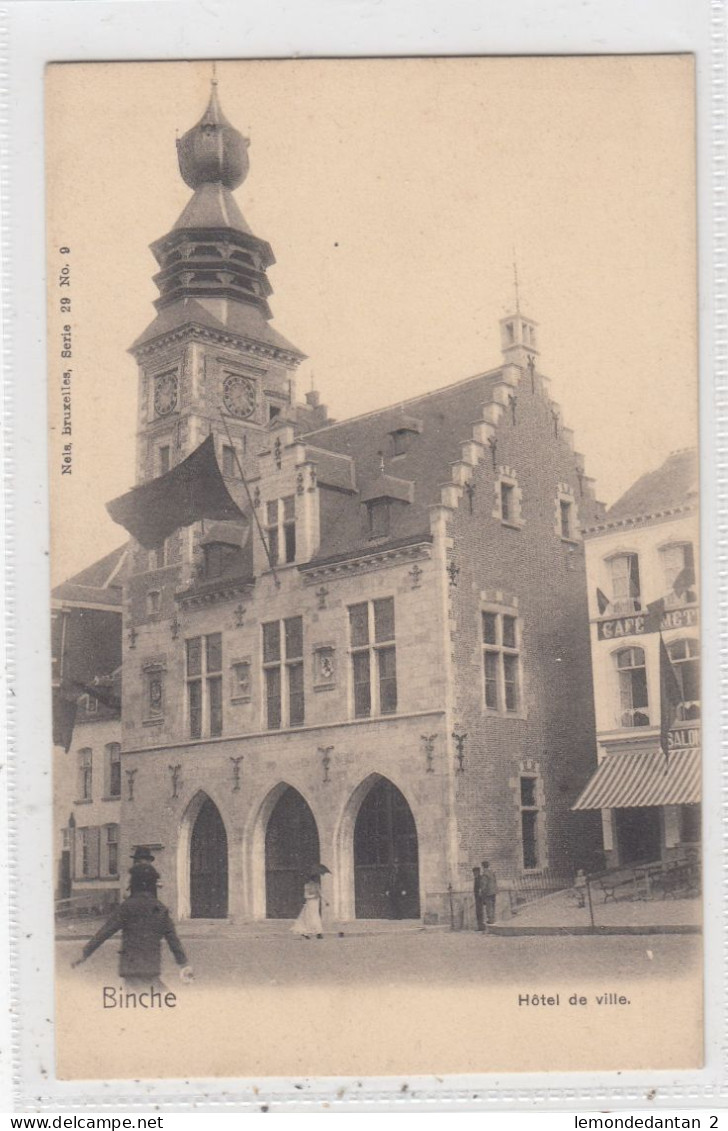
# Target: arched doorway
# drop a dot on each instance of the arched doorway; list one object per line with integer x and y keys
{"x": 291, "y": 854}
{"x": 386, "y": 857}
{"x": 208, "y": 864}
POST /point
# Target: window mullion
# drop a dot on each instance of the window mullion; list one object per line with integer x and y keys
{"x": 373, "y": 661}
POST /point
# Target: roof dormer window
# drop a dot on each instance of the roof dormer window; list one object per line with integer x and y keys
{"x": 222, "y": 560}
{"x": 379, "y": 514}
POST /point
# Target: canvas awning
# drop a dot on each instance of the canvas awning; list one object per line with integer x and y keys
{"x": 628, "y": 781}
{"x": 193, "y": 490}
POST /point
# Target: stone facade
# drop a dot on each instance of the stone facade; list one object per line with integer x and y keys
{"x": 383, "y": 666}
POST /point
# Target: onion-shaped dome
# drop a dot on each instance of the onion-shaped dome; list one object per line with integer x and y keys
{"x": 213, "y": 151}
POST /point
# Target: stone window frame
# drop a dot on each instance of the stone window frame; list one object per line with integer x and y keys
{"x": 501, "y": 604}
{"x": 375, "y": 649}
{"x": 280, "y": 529}
{"x": 531, "y": 769}
{"x": 508, "y": 477}
{"x": 565, "y": 495}
{"x": 212, "y": 722}
{"x": 280, "y": 666}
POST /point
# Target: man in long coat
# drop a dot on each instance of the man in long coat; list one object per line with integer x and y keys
{"x": 143, "y": 922}
{"x": 489, "y": 888}
{"x": 478, "y": 897}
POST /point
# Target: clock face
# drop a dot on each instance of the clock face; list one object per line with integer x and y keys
{"x": 165, "y": 394}
{"x": 239, "y": 395}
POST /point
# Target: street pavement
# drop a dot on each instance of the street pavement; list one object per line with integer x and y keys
{"x": 415, "y": 957}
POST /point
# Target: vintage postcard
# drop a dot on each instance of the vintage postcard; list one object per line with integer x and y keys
{"x": 373, "y": 393}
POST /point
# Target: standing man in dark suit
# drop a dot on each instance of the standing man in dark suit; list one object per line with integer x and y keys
{"x": 478, "y": 895}
{"x": 489, "y": 886}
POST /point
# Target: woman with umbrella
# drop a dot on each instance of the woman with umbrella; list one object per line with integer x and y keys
{"x": 309, "y": 922}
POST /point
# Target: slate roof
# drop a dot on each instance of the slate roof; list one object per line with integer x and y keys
{"x": 243, "y": 319}
{"x": 98, "y": 584}
{"x": 446, "y": 416}
{"x": 674, "y": 484}
{"x": 212, "y": 206}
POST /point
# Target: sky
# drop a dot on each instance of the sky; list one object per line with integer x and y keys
{"x": 396, "y": 195}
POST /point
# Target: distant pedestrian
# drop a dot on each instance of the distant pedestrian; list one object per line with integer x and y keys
{"x": 478, "y": 896}
{"x": 489, "y": 887}
{"x": 143, "y": 922}
{"x": 580, "y": 888}
{"x": 309, "y": 922}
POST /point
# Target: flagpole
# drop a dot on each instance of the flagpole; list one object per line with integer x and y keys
{"x": 663, "y": 738}
{"x": 250, "y": 500}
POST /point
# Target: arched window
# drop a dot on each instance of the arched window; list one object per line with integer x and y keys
{"x": 625, "y": 572}
{"x": 632, "y": 677}
{"x": 685, "y": 661}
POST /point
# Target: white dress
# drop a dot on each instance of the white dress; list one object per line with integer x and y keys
{"x": 309, "y": 921}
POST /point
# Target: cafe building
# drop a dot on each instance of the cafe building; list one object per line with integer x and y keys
{"x": 643, "y": 572}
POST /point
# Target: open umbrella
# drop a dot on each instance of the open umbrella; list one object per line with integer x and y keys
{"x": 323, "y": 870}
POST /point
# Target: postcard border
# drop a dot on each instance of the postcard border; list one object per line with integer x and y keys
{"x": 39, "y": 33}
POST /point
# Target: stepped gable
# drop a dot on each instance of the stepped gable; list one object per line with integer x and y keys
{"x": 98, "y": 584}
{"x": 439, "y": 424}
{"x": 675, "y": 484}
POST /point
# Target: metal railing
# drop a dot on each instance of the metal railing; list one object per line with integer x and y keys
{"x": 515, "y": 891}
{"x": 87, "y": 904}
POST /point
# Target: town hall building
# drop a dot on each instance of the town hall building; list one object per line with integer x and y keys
{"x": 360, "y": 644}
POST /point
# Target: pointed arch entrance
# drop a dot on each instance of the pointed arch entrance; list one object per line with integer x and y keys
{"x": 291, "y": 854}
{"x": 386, "y": 856}
{"x": 208, "y": 864}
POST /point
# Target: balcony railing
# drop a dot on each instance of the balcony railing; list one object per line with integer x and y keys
{"x": 625, "y": 606}
{"x": 634, "y": 717}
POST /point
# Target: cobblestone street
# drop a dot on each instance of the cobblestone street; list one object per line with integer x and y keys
{"x": 408, "y": 957}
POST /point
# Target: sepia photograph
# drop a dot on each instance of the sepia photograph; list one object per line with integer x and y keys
{"x": 375, "y": 608}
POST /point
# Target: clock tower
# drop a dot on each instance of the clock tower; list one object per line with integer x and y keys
{"x": 210, "y": 362}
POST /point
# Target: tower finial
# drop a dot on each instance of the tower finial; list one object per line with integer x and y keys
{"x": 213, "y": 151}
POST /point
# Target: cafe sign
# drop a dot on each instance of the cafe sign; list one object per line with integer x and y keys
{"x": 635, "y": 625}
